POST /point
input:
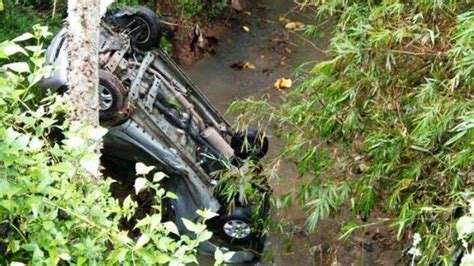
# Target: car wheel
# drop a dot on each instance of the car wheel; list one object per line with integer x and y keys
{"x": 145, "y": 29}
{"x": 112, "y": 98}
{"x": 237, "y": 227}
{"x": 250, "y": 144}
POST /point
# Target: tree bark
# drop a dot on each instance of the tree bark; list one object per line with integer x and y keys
{"x": 83, "y": 73}
{"x": 83, "y": 23}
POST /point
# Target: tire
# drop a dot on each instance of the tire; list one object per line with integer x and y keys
{"x": 250, "y": 144}
{"x": 149, "y": 37}
{"x": 238, "y": 227}
{"x": 112, "y": 98}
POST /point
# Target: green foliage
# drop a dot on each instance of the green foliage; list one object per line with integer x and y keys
{"x": 388, "y": 118}
{"x": 322, "y": 200}
{"x": 122, "y": 3}
{"x": 192, "y": 9}
{"x": 165, "y": 45}
{"x": 128, "y": 2}
{"x": 245, "y": 186}
{"x": 51, "y": 210}
{"x": 20, "y": 18}
{"x": 217, "y": 7}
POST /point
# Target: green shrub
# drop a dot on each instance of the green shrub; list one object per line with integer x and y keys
{"x": 217, "y": 8}
{"x": 190, "y": 8}
{"x": 20, "y": 18}
{"x": 387, "y": 121}
{"x": 196, "y": 9}
{"x": 51, "y": 211}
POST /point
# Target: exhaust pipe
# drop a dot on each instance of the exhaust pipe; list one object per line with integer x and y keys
{"x": 213, "y": 137}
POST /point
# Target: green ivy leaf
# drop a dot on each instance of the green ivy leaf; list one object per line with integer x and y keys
{"x": 193, "y": 227}
{"x": 23, "y": 37}
{"x": 42, "y": 31}
{"x": 65, "y": 256}
{"x": 11, "y": 135}
{"x": 63, "y": 167}
{"x": 465, "y": 226}
{"x": 95, "y": 133}
{"x": 19, "y": 67}
{"x": 10, "y": 48}
{"x": 142, "y": 169}
{"x": 147, "y": 255}
{"x": 91, "y": 162}
{"x": 171, "y": 227}
{"x": 207, "y": 214}
{"x": 467, "y": 260}
{"x": 117, "y": 255}
{"x": 123, "y": 237}
{"x": 158, "y": 176}
{"x": 35, "y": 144}
{"x": 142, "y": 241}
{"x": 162, "y": 259}
{"x": 8, "y": 204}
{"x": 14, "y": 246}
{"x": 171, "y": 195}
{"x": 204, "y": 236}
{"x": 48, "y": 225}
{"x": 218, "y": 257}
{"x": 140, "y": 184}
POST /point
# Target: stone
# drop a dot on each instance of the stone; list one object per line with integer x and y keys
{"x": 238, "y": 5}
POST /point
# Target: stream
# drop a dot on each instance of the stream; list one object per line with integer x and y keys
{"x": 275, "y": 52}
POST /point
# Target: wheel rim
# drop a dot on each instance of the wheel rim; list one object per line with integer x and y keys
{"x": 140, "y": 30}
{"x": 237, "y": 229}
{"x": 105, "y": 98}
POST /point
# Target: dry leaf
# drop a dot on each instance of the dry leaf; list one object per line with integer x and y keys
{"x": 294, "y": 26}
{"x": 245, "y": 28}
{"x": 283, "y": 19}
{"x": 283, "y": 83}
{"x": 247, "y": 13}
{"x": 249, "y": 65}
{"x": 242, "y": 65}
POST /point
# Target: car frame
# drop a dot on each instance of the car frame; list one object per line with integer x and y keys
{"x": 156, "y": 115}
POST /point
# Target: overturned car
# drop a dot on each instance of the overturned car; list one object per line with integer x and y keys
{"x": 157, "y": 116}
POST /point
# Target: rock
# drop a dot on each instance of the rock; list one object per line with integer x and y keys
{"x": 389, "y": 257}
{"x": 242, "y": 65}
{"x": 377, "y": 236}
{"x": 238, "y": 5}
{"x": 295, "y": 26}
{"x": 369, "y": 247}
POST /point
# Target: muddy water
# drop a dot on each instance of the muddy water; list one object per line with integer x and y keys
{"x": 276, "y": 53}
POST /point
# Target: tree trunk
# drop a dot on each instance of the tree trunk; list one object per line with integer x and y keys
{"x": 83, "y": 77}
{"x": 83, "y": 42}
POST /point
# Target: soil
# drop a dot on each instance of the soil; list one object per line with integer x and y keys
{"x": 246, "y": 62}
{"x": 193, "y": 40}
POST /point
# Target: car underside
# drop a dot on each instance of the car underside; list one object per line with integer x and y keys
{"x": 156, "y": 115}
